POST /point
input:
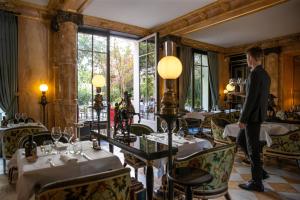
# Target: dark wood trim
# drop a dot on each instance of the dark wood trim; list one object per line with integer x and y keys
{"x": 63, "y": 16}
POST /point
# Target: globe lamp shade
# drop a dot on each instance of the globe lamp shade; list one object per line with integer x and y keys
{"x": 98, "y": 81}
{"x": 230, "y": 87}
{"x": 43, "y": 87}
{"x": 169, "y": 67}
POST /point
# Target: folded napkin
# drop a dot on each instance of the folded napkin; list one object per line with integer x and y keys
{"x": 60, "y": 146}
{"x": 68, "y": 158}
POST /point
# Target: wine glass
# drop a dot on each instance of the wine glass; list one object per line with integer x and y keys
{"x": 24, "y": 116}
{"x": 164, "y": 126}
{"x": 180, "y": 133}
{"x": 17, "y": 116}
{"x": 56, "y": 133}
{"x": 69, "y": 133}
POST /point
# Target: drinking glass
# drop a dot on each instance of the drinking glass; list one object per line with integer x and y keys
{"x": 77, "y": 147}
{"x": 56, "y": 133}
{"x": 180, "y": 133}
{"x": 164, "y": 126}
{"x": 47, "y": 147}
{"x": 24, "y": 116}
{"x": 17, "y": 116}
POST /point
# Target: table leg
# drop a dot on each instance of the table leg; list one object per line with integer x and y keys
{"x": 149, "y": 181}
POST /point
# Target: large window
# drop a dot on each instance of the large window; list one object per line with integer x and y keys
{"x": 198, "y": 94}
{"x": 92, "y": 59}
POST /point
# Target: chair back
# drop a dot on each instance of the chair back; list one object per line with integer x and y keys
{"x": 11, "y": 137}
{"x": 287, "y": 143}
{"x": 113, "y": 185}
{"x": 39, "y": 138}
{"x": 217, "y": 128}
{"x": 140, "y": 129}
{"x": 217, "y": 161}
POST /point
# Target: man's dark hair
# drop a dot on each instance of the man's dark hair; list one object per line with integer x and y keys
{"x": 255, "y": 52}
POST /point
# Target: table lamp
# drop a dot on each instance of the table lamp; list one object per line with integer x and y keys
{"x": 98, "y": 81}
{"x": 44, "y": 102}
{"x": 169, "y": 68}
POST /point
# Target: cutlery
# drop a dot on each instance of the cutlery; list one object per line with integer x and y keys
{"x": 51, "y": 162}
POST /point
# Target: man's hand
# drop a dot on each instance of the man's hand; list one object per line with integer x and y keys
{"x": 242, "y": 125}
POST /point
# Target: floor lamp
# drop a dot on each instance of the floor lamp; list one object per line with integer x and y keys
{"x": 44, "y": 102}
{"x": 98, "y": 81}
{"x": 169, "y": 68}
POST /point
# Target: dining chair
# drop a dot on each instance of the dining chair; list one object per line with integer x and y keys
{"x": 218, "y": 162}
{"x": 39, "y": 138}
{"x": 11, "y": 137}
{"x": 285, "y": 146}
{"x": 113, "y": 185}
{"x": 217, "y": 128}
{"x": 130, "y": 159}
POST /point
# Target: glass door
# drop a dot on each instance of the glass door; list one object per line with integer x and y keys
{"x": 147, "y": 88}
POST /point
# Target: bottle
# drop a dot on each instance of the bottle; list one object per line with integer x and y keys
{"x": 30, "y": 150}
{"x": 4, "y": 122}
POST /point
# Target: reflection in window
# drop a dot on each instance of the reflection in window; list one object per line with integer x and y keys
{"x": 147, "y": 62}
{"x": 91, "y": 60}
{"x": 198, "y": 93}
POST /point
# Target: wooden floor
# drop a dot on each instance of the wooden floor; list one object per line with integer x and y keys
{"x": 284, "y": 181}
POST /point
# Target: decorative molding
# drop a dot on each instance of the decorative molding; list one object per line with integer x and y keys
{"x": 275, "y": 50}
{"x": 68, "y": 5}
{"x": 116, "y": 26}
{"x": 63, "y": 16}
{"x": 212, "y": 14}
{"x": 201, "y": 45}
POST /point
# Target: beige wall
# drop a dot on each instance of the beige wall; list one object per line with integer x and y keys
{"x": 33, "y": 64}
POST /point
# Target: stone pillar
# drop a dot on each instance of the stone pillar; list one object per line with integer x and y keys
{"x": 65, "y": 68}
{"x": 272, "y": 67}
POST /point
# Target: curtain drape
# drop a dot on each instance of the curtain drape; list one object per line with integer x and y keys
{"x": 213, "y": 65}
{"x": 186, "y": 58}
{"x": 8, "y": 62}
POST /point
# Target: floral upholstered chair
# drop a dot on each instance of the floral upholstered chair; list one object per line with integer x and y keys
{"x": 285, "y": 146}
{"x": 139, "y": 130}
{"x": 113, "y": 185}
{"x": 218, "y": 162}
{"x": 217, "y": 128}
{"x": 11, "y": 137}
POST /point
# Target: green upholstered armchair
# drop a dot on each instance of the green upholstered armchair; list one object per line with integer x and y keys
{"x": 11, "y": 137}
{"x": 217, "y": 128}
{"x": 139, "y": 130}
{"x": 217, "y": 161}
{"x": 113, "y": 185}
{"x": 285, "y": 146}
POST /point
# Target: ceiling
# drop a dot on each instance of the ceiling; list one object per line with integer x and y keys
{"x": 280, "y": 20}
{"x": 143, "y": 13}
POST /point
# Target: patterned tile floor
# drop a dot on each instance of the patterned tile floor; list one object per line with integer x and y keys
{"x": 284, "y": 181}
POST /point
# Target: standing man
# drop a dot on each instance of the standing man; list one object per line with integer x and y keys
{"x": 253, "y": 114}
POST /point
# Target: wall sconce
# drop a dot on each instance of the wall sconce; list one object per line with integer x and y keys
{"x": 44, "y": 102}
{"x": 98, "y": 81}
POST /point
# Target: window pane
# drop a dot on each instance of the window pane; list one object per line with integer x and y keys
{"x": 151, "y": 45}
{"x": 143, "y": 61}
{"x": 188, "y": 102}
{"x": 143, "y": 91}
{"x": 205, "y": 89}
{"x": 151, "y": 95}
{"x": 84, "y": 41}
{"x": 142, "y": 47}
{"x": 100, "y": 63}
{"x": 99, "y": 43}
{"x": 197, "y": 59}
{"x": 204, "y": 60}
{"x": 197, "y": 88}
{"x": 151, "y": 61}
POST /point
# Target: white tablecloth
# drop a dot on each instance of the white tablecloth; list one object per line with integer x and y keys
{"x": 41, "y": 172}
{"x": 185, "y": 147}
{"x": 266, "y": 129}
{"x": 200, "y": 115}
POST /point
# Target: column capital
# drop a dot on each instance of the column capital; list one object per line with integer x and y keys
{"x": 64, "y": 16}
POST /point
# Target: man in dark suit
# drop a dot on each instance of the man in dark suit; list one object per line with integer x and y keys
{"x": 254, "y": 112}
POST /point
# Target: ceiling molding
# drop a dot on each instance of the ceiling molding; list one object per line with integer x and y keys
{"x": 116, "y": 26}
{"x": 212, "y": 14}
{"x": 68, "y": 5}
{"x": 270, "y": 43}
{"x": 201, "y": 45}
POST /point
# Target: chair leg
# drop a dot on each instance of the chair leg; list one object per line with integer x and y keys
{"x": 136, "y": 174}
{"x": 227, "y": 196}
{"x": 188, "y": 193}
{"x": 4, "y": 166}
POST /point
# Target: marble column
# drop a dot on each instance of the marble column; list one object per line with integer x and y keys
{"x": 272, "y": 67}
{"x": 65, "y": 75}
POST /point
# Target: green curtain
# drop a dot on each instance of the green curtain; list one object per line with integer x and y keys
{"x": 213, "y": 65}
{"x": 186, "y": 57}
{"x": 8, "y": 62}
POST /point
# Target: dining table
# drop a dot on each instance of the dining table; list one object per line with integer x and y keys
{"x": 153, "y": 150}
{"x": 267, "y": 129}
{"x": 49, "y": 168}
